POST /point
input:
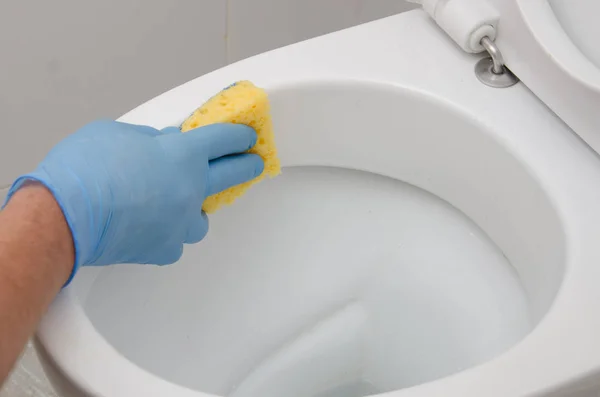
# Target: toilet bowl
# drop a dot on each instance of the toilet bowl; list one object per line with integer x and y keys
{"x": 430, "y": 236}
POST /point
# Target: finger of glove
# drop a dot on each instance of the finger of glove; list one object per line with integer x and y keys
{"x": 144, "y": 129}
{"x": 197, "y": 227}
{"x": 167, "y": 255}
{"x": 233, "y": 170}
{"x": 222, "y": 139}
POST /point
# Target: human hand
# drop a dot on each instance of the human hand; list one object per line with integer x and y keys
{"x": 133, "y": 194}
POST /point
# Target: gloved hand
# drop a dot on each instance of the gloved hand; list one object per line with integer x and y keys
{"x": 134, "y": 194}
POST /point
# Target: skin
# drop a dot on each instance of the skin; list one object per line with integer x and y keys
{"x": 36, "y": 259}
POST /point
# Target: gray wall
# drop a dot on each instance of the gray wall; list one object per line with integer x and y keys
{"x": 66, "y": 62}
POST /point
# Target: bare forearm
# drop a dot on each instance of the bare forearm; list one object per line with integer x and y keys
{"x": 36, "y": 258}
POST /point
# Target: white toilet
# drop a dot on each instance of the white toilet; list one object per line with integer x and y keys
{"x": 430, "y": 235}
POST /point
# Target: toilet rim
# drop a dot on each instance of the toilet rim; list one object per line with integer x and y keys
{"x": 69, "y": 337}
{"x": 123, "y": 377}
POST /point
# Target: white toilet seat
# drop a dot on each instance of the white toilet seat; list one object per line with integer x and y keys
{"x": 563, "y": 352}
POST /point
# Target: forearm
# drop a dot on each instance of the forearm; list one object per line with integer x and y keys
{"x": 36, "y": 258}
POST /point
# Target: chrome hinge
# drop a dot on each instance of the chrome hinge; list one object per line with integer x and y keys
{"x": 491, "y": 70}
{"x": 472, "y": 24}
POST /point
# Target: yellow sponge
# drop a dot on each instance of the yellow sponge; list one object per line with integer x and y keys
{"x": 241, "y": 103}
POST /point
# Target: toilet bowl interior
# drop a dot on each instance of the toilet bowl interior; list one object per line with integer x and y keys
{"x": 403, "y": 243}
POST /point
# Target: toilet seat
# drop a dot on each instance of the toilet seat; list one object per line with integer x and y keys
{"x": 561, "y": 354}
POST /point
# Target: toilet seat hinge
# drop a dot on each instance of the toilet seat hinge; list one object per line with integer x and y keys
{"x": 473, "y": 25}
{"x": 491, "y": 70}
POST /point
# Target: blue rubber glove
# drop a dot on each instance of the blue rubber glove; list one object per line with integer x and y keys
{"x": 134, "y": 194}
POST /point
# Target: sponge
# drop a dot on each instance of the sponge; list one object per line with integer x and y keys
{"x": 241, "y": 103}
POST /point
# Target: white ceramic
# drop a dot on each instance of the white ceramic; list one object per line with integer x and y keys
{"x": 552, "y": 45}
{"x": 430, "y": 236}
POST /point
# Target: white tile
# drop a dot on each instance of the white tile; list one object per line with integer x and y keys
{"x": 66, "y": 62}
{"x": 261, "y": 25}
{"x": 28, "y": 378}
{"x": 369, "y": 10}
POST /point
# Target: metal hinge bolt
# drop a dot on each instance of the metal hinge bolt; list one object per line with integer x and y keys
{"x": 491, "y": 70}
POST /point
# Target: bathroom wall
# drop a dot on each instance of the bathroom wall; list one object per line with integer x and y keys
{"x": 66, "y": 62}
